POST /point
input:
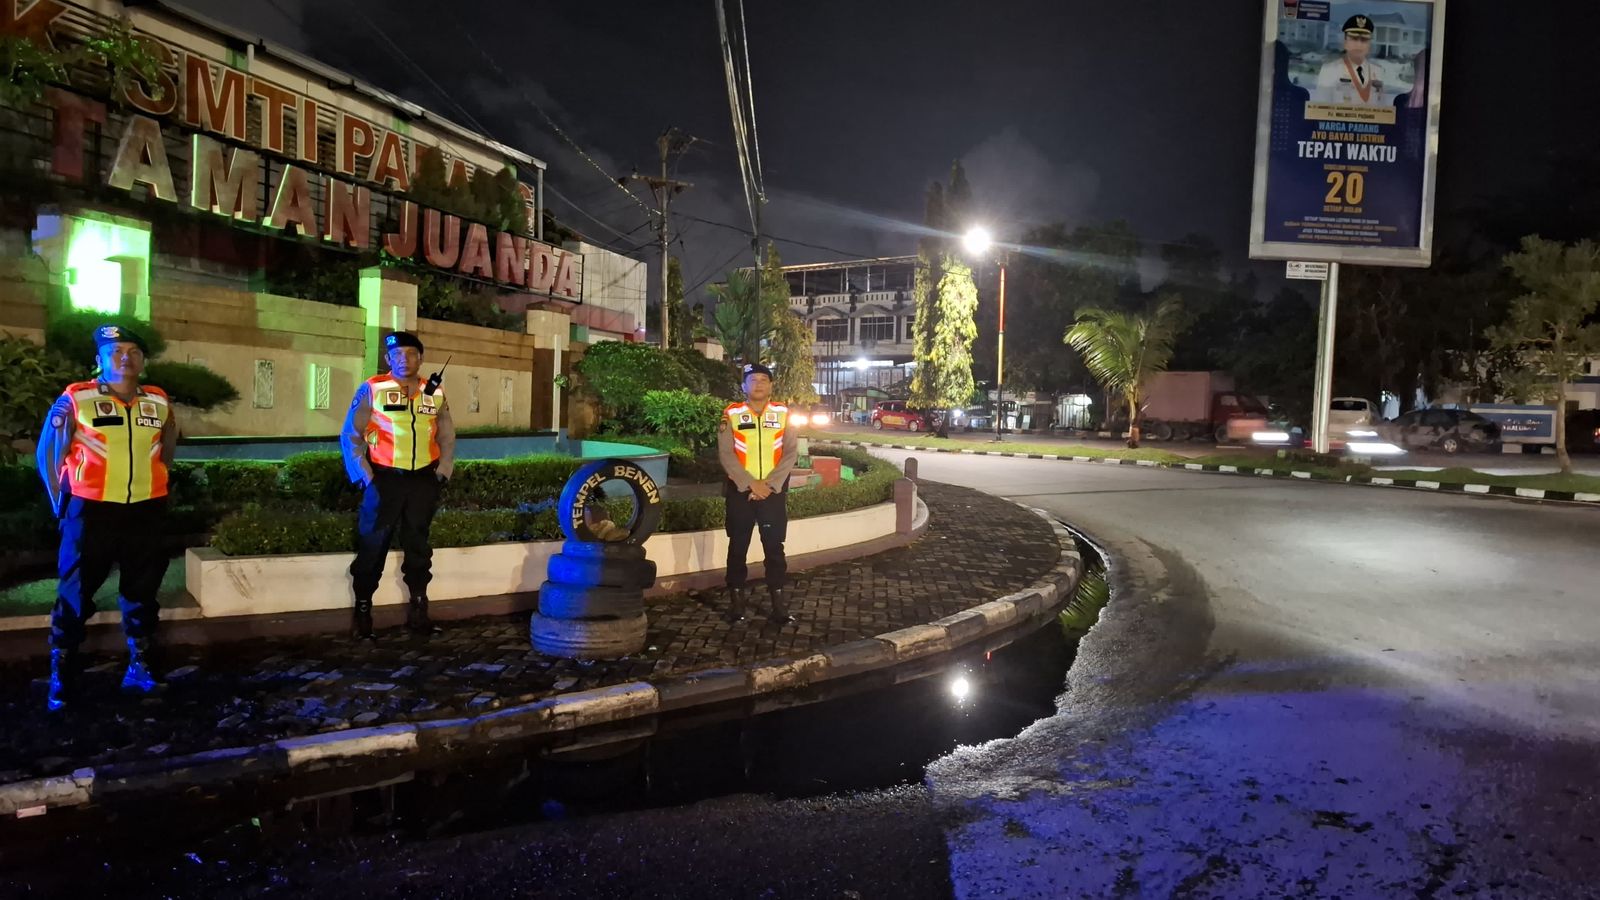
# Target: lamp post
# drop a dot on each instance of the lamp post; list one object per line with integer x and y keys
{"x": 978, "y": 242}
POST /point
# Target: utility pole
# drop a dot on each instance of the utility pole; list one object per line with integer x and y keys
{"x": 672, "y": 143}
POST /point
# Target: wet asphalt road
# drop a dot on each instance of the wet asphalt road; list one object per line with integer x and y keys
{"x": 1301, "y": 690}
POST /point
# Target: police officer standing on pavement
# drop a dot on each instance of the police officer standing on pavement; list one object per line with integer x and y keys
{"x": 757, "y": 456}
{"x": 399, "y": 446}
{"x": 103, "y": 455}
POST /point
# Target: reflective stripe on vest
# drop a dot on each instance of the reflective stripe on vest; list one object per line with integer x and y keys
{"x": 403, "y": 431}
{"x": 757, "y": 440}
{"x": 115, "y": 455}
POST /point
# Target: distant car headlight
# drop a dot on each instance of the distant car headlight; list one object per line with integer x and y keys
{"x": 820, "y": 418}
{"x": 1361, "y": 433}
{"x": 1270, "y": 437}
{"x": 799, "y": 419}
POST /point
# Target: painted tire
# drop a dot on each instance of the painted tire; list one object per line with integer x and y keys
{"x": 567, "y": 601}
{"x": 647, "y": 503}
{"x": 581, "y": 571}
{"x": 604, "y": 550}
{"x": 587, "y": 638}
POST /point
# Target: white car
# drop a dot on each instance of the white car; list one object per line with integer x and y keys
{"x": 1345, "y": 413}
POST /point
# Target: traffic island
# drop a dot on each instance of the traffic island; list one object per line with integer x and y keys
{"x": 269, "y": 706}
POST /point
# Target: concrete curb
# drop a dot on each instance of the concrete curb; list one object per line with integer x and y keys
{"x": 1485, "y": 490}
{"x": 639, "y": 701}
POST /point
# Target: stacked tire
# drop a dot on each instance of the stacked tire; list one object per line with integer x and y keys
{"x": 592, "y": 604}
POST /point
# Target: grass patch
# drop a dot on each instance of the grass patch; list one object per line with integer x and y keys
{"x": 1083, "y": 610}
{"x": 1549, "y": 481}
{"x": 1271, "y": 461}
{"x": 35, "y": 598}
{"x": 922, "y": 439}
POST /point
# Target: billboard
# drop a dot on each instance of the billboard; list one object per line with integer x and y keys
{"x": 1347, "y": 131}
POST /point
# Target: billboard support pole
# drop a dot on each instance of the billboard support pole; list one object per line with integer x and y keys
{"x": 1322, "y": 397}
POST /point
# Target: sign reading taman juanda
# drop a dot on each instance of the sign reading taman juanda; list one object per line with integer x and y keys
{"x": 255, "y": 157}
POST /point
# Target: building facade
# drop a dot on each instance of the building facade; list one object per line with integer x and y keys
{"x": 861, "y": 314}
{"x": 184, "y": 201}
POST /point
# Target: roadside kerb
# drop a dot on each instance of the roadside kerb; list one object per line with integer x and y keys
{"x": 1489, "y": 490}
{"x": 563, "y": 712}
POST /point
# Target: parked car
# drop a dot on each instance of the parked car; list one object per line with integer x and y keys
{"x": 1345, "y": 413}
{"x": 1450, "y": 430}
{"x": 978, "y": 418}
{"x": 896, "y": 414}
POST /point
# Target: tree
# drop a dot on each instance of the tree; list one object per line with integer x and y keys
{"x": 35, "y": 377}
{"x": 1548, "y": 327}
{"x": 682, "y": 328}
{"x": 429, "y": 185}
{"x": 943, "y": 377}
{"x": 737, "y": 320}
{"x": 790, "y": 340}
{"x": 1123, "y": 350}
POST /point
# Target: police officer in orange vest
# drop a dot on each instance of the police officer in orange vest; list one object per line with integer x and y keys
{"x": 757, "y": 454}
{"x": 103, "y": 455}
{"x": 399, "y": 446}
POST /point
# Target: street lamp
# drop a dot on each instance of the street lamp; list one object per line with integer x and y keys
{"x": 978, "y": 242}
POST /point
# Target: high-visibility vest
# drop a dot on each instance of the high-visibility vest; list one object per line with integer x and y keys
{"x": 115, "y": 455}
{"x": 403, "y": 430}
{"x": 757, "y": 439}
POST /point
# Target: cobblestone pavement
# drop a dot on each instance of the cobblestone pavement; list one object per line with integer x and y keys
{"x": 977, "y": 548}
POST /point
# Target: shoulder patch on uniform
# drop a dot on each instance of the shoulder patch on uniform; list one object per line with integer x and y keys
{"x": 58, "y": 421}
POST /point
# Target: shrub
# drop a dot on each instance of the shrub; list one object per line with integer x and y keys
{"x": 20, "y": 486}
{"x": 522, "y": 480}
{"x": 191, "y": 385}
{"x": 687, "y": 417}
{"x": 224, "y": 482}
{"x": 34, "y": 378}
{"x": 71, "y": 334}
{"x": 262, "y": 529}
{"x": 318, "y": 479}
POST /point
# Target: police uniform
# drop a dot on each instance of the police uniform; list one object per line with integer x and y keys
{"x": 754, "y": 446}
{"x": 1343, "y": 83}
{"x": 399, "y": 443}
{"x": 104, "y": 463}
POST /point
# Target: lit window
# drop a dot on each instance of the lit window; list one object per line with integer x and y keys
{"x": 877, "y": 328}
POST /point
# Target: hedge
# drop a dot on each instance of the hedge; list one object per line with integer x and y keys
{"x": 284, "y": 530}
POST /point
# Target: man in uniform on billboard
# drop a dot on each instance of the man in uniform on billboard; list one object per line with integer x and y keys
{"x": 1353, "y": 79}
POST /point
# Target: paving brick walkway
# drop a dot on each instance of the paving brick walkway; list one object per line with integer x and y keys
{"x": 978, "y": 548}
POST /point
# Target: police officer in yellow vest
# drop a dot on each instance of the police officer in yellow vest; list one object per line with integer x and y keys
{"x": 757, "y": 454}
{"x": 103, "y": 455}
{"x": 399, "y": 446}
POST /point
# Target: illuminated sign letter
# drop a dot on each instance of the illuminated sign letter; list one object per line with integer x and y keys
{"x": 475, "y": 252}
{"x": 391, "y": 169}
{"x": 213, "y": 105}
{"x": 224, "y": 180}
{"x": 142, "y": 159}
{"x": 566, "y": 277}
{"x": 354, "y": 138}
{"x": 347, "y": 214}
{"x": 72, "y": 111}
{"x": 403, "y": 243}
{"x": 510, "y": 259}
{"x": 441, "y": 239}
{"x": 291, "y": 205}
{"x": 275, "y": 101}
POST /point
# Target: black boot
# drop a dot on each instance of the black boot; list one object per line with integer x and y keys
{"x": 361, "y": 621}
{"x": 417, "y": 616}
{"x": 141, "y": 676}
{"x": 64, "y": 666}
{"x": 780, "y": 607}
{"x": 737, "y": 596}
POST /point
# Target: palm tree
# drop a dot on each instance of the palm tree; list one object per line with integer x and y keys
{"x": 1122, "y": 350}
{"x": 739, "y": 320}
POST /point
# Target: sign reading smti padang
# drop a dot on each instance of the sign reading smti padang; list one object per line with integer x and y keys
{"x": 1347, "y": 131}
{"x": 225, "y": 139}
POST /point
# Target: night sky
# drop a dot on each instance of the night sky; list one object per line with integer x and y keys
{"x": 1061, "y": 111}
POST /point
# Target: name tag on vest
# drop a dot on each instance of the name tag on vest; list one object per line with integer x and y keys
{"x": 106, "y": 420}
{"x": 394, "y": 407}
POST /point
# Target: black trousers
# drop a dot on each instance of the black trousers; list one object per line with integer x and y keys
{"x": 94, "y": 537}
{"x": 395, "y": 500}
{"x": 772, "y": 517}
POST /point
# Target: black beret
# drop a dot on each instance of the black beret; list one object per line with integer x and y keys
{"x": 402, "y": 339}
